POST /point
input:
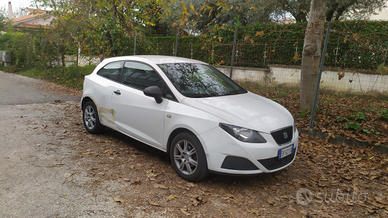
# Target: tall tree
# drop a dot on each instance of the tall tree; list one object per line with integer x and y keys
{"x": 203, "y": 15}
{"x": 311, "y": 55}
{"x": 336, "y": 9}
{"x": 3, "y": 19}
{"x": 297, "y": 8}
{"x": 89, "y": 20}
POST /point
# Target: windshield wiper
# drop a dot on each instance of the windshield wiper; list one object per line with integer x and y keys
{"x": 235, "y": 92}
{"x": 198, "y": 95}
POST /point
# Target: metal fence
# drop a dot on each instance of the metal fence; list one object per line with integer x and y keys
{"x": 57, "y": 50}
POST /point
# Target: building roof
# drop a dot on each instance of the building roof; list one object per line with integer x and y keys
{"x": 36, "y": 19}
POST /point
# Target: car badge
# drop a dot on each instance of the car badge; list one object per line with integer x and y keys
{"x": 285, "y": 135}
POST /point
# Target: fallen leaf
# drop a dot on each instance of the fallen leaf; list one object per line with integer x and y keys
{"x": 171, "y": 197}
{"x": 291, "y": 208}
{"x": 255, "y": 212}
{"x": 229, "y": 195}
{"x": 190, "y": 185}
{"x": 271, "y": 201}
{"x": 117, "y": 199}
{"x": 381, "y": 200}
{"x": 154, "y": 203}
{"x": 163, "y": 187}
{"x": 184, "y": 210}
{"x": 341, "y": 75}
{"x": 136, "y": 183}
{"x": 347, "y": 203}
{"x": 260, "y": 34}
{"x": 197, "y": 200}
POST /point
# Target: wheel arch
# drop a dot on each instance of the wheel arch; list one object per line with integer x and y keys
{"x": 100, "y": 127}
{"x": 86, "y": 99}
{"x": 175, "y": 133}
{"x": 202, "y": 169}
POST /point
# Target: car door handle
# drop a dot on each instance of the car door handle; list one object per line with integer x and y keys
{"x": 117, "y": 92}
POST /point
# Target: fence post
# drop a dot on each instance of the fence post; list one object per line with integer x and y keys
{"x": 233, "y": 51}
{"x": 191, "y": 47}
{"x": 320, "y": 74}
{"x": 76, "y": 72}
{"x": 212, "y": 55}
{"x": 134, "y": 48}
{"x": 176, "y": 43}
{"x": 41, "y": 52}
{"x": 58, "y": 54}
{"x": 103, "y": 48}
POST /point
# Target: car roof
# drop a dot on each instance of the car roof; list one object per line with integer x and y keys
{"x": 156, "y": 59}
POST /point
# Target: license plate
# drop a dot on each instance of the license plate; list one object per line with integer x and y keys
{"x": 286, "y": 151}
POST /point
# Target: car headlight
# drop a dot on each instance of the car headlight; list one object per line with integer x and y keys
{"x": 243, "y": 134}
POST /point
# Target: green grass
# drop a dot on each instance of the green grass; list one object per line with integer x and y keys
{"x": 283, "y": 94}
{"x": 62, "y": 75}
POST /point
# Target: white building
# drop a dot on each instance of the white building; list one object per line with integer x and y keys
{"x": 34, "y": 19}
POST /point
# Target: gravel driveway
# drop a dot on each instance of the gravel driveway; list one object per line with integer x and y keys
{"x": 38, "y": 176}
{"x": 51, "y": 167}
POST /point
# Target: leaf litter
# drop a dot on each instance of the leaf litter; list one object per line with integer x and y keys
{"x": 320, "y": 166}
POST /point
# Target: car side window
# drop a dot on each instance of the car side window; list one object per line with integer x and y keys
{"x": 141, "y": 76}
{"x": 112, "y": 71}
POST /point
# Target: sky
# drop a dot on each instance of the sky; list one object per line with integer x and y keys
{"x": 16, "y": 4}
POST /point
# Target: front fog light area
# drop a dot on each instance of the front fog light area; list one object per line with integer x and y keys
{"x": 243, "y": 134}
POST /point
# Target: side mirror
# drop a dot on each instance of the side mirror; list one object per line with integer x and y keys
{"x": 155, "y": 92}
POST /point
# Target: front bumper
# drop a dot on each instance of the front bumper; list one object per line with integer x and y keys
{"x": 226, "y": 154}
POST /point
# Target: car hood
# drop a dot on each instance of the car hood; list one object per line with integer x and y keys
{"x": 245, "y": 110}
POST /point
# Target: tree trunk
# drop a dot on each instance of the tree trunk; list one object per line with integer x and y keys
{"x": 311, "y": 55}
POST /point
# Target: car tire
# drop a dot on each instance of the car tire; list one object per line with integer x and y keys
{"x": 91, "y": 119}
{"x": 188, "y": 157}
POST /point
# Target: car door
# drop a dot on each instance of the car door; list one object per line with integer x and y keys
{"x": 137, "y": 114}
{"x": 106, "y": 83}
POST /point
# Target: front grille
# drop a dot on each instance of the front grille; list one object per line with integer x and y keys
{"x": 275, "y": 163}
{"x": 238, "y": 163}
{"x": 283, "y": 136}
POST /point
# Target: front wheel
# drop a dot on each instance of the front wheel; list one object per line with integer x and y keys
{"x": 91, "y": 120}
{"x": 188, "y": 157}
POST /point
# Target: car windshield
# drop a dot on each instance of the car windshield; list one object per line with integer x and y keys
{"x": 200, "y": 80}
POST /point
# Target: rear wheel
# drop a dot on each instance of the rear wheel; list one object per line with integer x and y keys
{"x": 91, "y": 120}
{"x": 188, "y": 157}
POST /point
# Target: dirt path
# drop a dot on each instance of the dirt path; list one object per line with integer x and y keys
{"x": 51, "y": 167}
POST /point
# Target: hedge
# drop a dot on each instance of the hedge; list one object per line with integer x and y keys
{"x": 352, "y": 44}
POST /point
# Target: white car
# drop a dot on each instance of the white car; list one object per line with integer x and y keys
{"x": 203, "y": 119}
